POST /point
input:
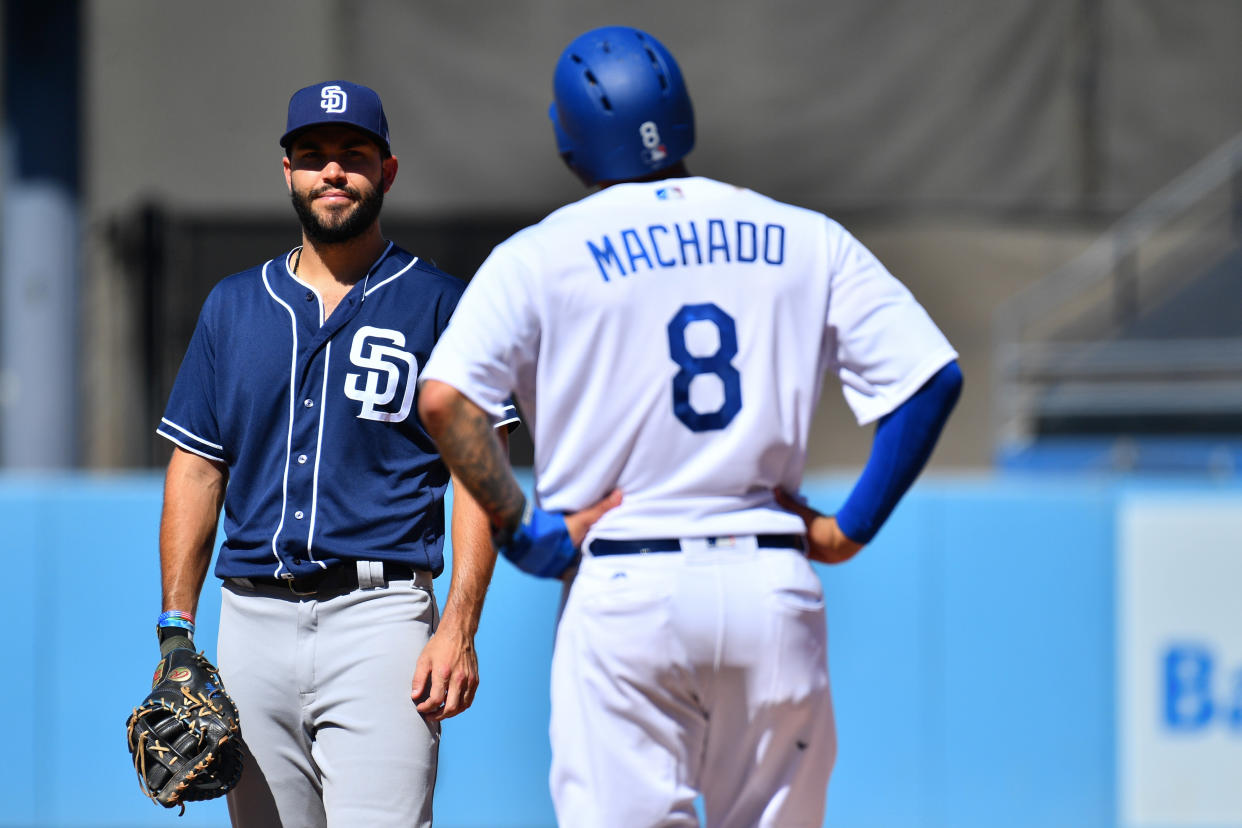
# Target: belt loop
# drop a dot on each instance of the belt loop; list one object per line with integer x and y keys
{"x": 370, "y": 574}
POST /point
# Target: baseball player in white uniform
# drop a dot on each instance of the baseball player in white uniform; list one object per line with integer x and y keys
{"x": 666, "y": 338}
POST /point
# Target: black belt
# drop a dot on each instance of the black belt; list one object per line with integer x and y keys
{"x": 641, "y": 547}
{"x": 342, "y": 577}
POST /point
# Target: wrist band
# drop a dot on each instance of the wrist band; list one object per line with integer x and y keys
{"x": 175, "y": 618}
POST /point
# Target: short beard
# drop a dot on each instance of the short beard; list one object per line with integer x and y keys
{"x": 353, "y": 223}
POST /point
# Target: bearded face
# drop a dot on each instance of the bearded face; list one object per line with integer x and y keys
{"x": 336, "y": 221}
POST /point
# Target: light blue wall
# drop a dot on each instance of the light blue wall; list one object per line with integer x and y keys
{"x": 971, "y": 650}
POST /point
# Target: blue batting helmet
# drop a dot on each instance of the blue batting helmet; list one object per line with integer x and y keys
{"x": 621, "y": 109}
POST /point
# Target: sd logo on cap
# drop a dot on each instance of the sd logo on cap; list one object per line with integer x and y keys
{"x": 336, "y": 102}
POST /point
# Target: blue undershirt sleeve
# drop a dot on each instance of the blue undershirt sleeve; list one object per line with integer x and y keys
{"x": 904, "y": 439}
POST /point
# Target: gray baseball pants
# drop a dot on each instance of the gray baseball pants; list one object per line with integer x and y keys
{"x": 322, "y": 686}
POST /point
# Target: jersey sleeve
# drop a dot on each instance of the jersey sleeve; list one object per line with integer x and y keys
{"x": 882, "y": 345}
{"x": 492, "y": 337}
{"x": 446, "y": 306}
{"x": 190, "y": 420}
{"x": 509, "y": 418}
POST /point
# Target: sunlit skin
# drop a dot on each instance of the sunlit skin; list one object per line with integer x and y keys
{"x": 826, "y": 542}
{"x": 337, "y": 177}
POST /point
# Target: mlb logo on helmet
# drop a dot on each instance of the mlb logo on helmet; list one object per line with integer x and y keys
{"x": 654, "y": 150}
{"x": 336, "y": 102}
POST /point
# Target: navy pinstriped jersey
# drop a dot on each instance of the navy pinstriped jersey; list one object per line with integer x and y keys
{"x": 316, "y": 420}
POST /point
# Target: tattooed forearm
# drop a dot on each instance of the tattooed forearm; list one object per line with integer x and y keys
{"x": 470, "y": 448}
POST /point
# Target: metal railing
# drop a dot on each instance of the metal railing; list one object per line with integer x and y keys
{"x": 1074, "y": 344}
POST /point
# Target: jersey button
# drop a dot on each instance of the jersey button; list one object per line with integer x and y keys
{"x": 298, "y": 515}
{"x": 308, "y": 403}
{"x": 301, "y": 458}
{"x": 310, "y": 297}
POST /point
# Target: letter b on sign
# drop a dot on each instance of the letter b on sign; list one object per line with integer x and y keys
{"x": 1187, "y": 687}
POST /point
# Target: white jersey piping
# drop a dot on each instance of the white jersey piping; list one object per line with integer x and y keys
{"x": 189, "y": 434}
{"x": 379, "y": 285}
{"x": 293, "y": 369}
{"x": 323, "y": 407}
{"x": 190, "y": 449}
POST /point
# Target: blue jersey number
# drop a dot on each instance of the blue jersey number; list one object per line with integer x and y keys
{"x": 692, "y": 366}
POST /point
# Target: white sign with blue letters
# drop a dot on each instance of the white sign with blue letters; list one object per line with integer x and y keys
{"x": 1179, "y": 660}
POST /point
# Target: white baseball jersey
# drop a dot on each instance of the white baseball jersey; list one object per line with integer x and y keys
{"x": 670, "y": 339}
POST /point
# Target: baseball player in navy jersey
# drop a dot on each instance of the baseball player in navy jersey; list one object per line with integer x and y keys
{"x": 298, "y": 392}
{"x": 667, "y": 337}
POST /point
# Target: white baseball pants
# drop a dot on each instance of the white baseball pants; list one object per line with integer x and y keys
{"x": 703, "y": 671}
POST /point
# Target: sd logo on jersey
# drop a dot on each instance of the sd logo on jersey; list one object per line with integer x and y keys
{"x": 384, "y": 377}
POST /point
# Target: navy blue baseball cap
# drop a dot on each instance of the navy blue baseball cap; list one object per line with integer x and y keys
{"x": 336, "y": 102}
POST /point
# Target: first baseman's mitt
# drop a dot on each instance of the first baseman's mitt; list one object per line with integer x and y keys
{"x": 185, "y": 737}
